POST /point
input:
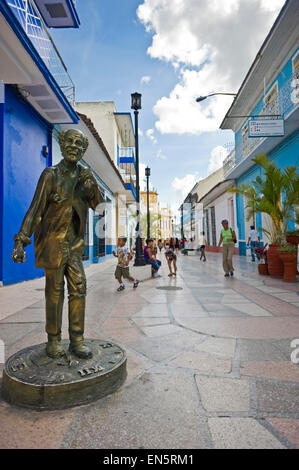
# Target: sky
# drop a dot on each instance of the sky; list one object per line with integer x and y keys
{"x": 170, "y": 51}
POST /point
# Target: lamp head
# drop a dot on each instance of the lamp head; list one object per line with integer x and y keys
{"x": 136, "y": 101}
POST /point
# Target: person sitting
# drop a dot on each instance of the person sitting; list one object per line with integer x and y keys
{"x": 150, "y": 258}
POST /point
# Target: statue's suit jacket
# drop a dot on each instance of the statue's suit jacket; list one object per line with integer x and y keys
{"x": 56, "y": 200}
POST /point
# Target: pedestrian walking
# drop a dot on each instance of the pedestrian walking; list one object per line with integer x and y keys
{"x": 177, "y": 245}
{"x": 253, "y": 241}
{"x": 122, "y": 269}
{"x": 150, "y": 257}
{"x": 160, "y": 245}
{"x": 228, "y": 240}
{"x": 171, "y": 258}
{"x": 202, "y": 246}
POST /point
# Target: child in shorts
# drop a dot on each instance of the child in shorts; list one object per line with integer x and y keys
{"x": 171, "y": 258}
{"x": 122, "y": 269}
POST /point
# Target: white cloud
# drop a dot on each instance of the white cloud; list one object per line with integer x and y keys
{"x": 212, "y": 44}
{"x": 140, "y": 133}
{"x": 184, "y": 185}
{"x": 160, "y": 155}
{"x": 218, "y": 154}
{"x": 150, "y": 135}
{"x": 145, "y": 79}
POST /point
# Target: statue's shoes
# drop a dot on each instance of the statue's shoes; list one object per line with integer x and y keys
{"x": 54, "y": 350}
{"x": 80, "y": 350}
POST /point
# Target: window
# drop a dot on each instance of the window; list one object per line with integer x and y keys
{"x": 271, "y": 101}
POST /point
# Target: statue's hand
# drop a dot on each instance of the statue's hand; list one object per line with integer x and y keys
{"x": 89, "y": 187}
{"x": 18, "y": 253}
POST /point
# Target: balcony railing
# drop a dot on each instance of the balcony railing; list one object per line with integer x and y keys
{"x": 286, "y": 100}
{"x": 229, "y": 163}
{"x": 127, "y": 152}
{"x": 29, "y": 18}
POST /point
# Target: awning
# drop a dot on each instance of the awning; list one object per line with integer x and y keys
{"x": 58, "y": 13}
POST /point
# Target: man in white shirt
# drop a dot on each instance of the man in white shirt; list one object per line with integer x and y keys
{"x": 253, "y": 241}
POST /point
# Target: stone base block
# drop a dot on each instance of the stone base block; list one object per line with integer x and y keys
{"x": 142, "y": 273}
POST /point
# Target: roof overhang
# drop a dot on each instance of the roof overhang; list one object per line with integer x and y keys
{"x": 21, "y": 65}
{"x": 98, "y": 160}
{"x": 58, "y": 13}
{"x": 278, "y": 47}
{"x": 125, "y": 126}
{"x": 217, "y": 191}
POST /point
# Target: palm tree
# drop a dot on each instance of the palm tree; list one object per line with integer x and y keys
{"x": 276, "y": 193}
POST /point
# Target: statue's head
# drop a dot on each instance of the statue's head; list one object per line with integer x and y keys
{"x": 73, "y": 144}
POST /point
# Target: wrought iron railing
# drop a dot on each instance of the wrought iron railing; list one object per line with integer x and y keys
{"x": 30, "y": 19}
{"x": 286, "y": 100}
{"x": 127, "y": 152}
{"x": 229, "y": 163}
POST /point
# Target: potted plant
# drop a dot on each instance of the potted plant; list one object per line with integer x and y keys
{"x": 288, "y": 255}
{"x": 275, "y": 193}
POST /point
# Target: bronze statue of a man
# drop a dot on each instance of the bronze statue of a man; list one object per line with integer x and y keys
{"x": 57, "y": 217}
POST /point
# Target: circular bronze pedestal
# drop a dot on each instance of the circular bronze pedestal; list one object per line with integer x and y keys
{"x": 33, "y": 380}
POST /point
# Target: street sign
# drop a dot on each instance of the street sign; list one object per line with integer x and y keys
{"x": 266, "y": 127}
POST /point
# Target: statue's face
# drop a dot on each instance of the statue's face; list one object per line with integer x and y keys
{"x": 73, "y": 146}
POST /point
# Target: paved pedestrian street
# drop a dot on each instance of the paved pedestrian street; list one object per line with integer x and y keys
{"x": 209, "y": 361}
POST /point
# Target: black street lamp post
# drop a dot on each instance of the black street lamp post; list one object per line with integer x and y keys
{"x": 148, "y": 174}
{"x": 139, "y": 258}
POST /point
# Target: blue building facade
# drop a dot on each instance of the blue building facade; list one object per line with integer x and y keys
{"x": 32, "y": 101}
{"x": 269, "y": 91}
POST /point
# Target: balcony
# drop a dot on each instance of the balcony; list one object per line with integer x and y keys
{"x": 127, "y": 155}
{"x": 284, "y": 104}
{"x": 28, "y": 16}
{"x": 130, "y": 182}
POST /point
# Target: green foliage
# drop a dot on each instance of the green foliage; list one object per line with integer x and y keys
{"x": 266, "y": 194}
{"x": 287, "y": 248}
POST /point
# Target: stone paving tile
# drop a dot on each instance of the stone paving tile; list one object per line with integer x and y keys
{"x": 163, "y": 330}
{"x": 264, "y": 350}
{"x": 136, "y": 365}
{"x": 255, "y": 328}
{"x": 289, "y": 428}
{"x": 271, "y": 370}
{"x": 12, "y": 333}
{"x": 126, "y": 310}
{"x": 151, "y": 321}
{"x": 116, "y": 322}
{"x": 241, "y": 433}
{"x": 195, "y": 310}
{"x": 156, "y": 349}
{"x": 157, "y": 298}
{"x": 231, "y": 298}
{"x": 295, "y": 303}
{"x": 124, "y": 335}
{"x": 223, "y": 347}
{"x": 152, "y": 310}
{"x": 250, "y": 309}
{"x": 223, "y": 394}
{"x": 274, "y": 397}
{"x": 28, "y": 429}
{"x": 288, "y": 297}
{"x": 202, "y": 361}
{"x": 27, "y": 315}
{"x": 158, "y": 411}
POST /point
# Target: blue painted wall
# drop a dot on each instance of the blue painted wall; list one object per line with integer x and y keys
{"x": 24, "y": 135}
{"x": 285, "y": 154}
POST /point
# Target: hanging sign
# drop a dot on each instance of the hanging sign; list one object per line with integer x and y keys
{"x": 266, "y": 127}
